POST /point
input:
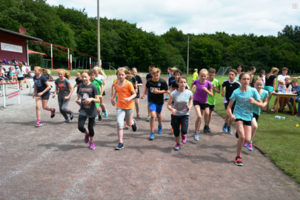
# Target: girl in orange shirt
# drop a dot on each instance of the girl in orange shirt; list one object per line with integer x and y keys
{"x": 125, "y": 91}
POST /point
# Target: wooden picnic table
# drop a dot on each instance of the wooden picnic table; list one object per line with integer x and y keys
{"x": 279, "y": 94}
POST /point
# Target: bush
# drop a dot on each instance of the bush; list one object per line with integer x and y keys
{"x": 36, "y": 60}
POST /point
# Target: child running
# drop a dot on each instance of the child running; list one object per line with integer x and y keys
{"x": 89, "y": 97}
{"x": 270, "y": 86}
{"x": 245, "y": 97}
{"x": 230, "y": 85}
{"x": 42, "y": 92}
{"x": 99, "y": 86}
{"x": 203, "y": 88}
{"x": 211, "y": 101}
{"x": 156, "y": 87}
{"x": 258, "y": 84}
{"x": 139, "y": 82}
{"x": 149, "y": 76}
{"x": 65, "y": 90}
{"x": 101, "y": 76}
{"x": 195, "y": 77}
{"x": 78, "y": 81}
{"x": 125, "y": 103}
{"x": 182, "y": 99}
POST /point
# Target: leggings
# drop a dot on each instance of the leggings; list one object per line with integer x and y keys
{"x": 121, "y": 113}
{"x": 63, "y": 106}
{"x": 81, "y": 122}
{"x": 184, "y": 121}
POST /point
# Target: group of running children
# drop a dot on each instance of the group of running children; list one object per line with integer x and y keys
{"x": 244, "y": 97}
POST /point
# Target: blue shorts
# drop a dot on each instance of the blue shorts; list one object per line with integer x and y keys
{"x": 154, "y": 107}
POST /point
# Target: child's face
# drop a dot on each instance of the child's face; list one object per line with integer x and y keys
{"x": 85, "y": 78}
{"x": 253, "y": 71}
{"x": 150, "y": 70}
{"x": 245, "y": 80}
{"x": 284, "y": 72}
{"x": 60, "y": 74}
{"x": 176, "y": 76}
{"x": 295, "y": 84}
{"x": 155, "y": 76}
{"x": 287, "y": 81}
{"x": 259, "y": 85}
{"x": 239, "y": 69}
{"x": 182, "y": 83}
{"x": 203, "y": 76}
{"x": 231, "y": 75}
{"x": 121, "y": 75}
{"x": 134, "y": 72}
{"x": 92, "y": 76}
{"x": 211, "y": 76}
{"x": 37, "y": 72}
{"x": 78, "y": 75}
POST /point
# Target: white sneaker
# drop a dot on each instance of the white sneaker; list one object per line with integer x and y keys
{"x": 198, "y": 135}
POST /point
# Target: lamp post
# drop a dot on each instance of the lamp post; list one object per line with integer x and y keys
{"x": 188, "y": 55}
{"x": 98, "y": 27}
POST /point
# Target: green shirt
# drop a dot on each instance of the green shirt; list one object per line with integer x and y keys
{"x": 97, "y": 83}
{"x": 195, "y": 76}
{"x": 212, "y": 100}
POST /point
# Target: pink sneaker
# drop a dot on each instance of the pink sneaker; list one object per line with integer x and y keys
{"x": 245, "y": 144}
{"x": 92, "y": 146}
{"x": 184, "y": 139}
{"x": 53, "y": 113}
{"x": 38, "y": 123}
{"x": 86, "y": 138}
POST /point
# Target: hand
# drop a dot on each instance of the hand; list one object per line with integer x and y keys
{"x": 142, "y": 96}
{"x": 155, "y": 91}
{"x": 39, "y": 94}
{"x": 174, "y": 111}
{"x": 251, "y": 100}
{"x": 223, "y": 94}
{"x": 33, "y": 96}
{"x": 88, "y": 101}
{"x": 127, "y": 99}
{"x": 214, "y": 85}
{"x": 113, "y": 102}
{"x": 67, "y": 97}
{"x": 189, "y": 108}
{"x": 53, "y": 95}
{"x": 233, "y": 117}
{"x": 205, "y": 89}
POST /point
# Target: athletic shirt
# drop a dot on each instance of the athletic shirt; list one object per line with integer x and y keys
{"x": 195, "y": 76}
{"x": 133, "y": 81}
{"x": 40, "y": 84}
{"x": 149, "y": 76}
{"x": 171, "y": 80}
{"x": 63, "y": 87}
{"x": 100, "y": 77}
{"x": 200, "y": 95}
{"x": 97, "y": 83}
{"x": 87, "y": 91}
{"x": 159, "y": 85}
{"x": 281, "y": 78}
{"x": 230, "y": 87}
{"x": 263, "y": 95}
{"x": 181, "y": 101}
{"x": 124, "y": 92}
{"x": 78, "y": 81}
{"x": 269, "y": 81}
{"x": 212, "y": 100}
{"x": 297, "y": 89}
{"x": 243, "y": 108}
{"x": 138, "y": 80}
{"x": 20, "y": 74}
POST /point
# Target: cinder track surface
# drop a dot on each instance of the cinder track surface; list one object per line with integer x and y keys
{"x": 53, "y": 162}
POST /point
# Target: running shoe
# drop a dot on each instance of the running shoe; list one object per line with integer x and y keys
{"x": 86, "y": 138}
{"x": 205, "y": 129}
{"x": 167, "y": 98}
{"x": 249, "y": 146}
{"x": 92, "y": 146}
{"x": 265, "y": 111}
{"x": 71, "y": 116}
{"x": 27, "y": 86}
{"x": 134, "y": 127}
{"x": 138, "y": 116}
{"x": 172, "y": 130}
{"x": 245, "y": 144}
{"x": 236, "y": 134}
{"x": 99, "y": 117}
{"x": 184, "y": 139}
{"x": 96, "y": 117}
{"x": 126, "y": 127}
{"x": 53, "y": 113}
{"x": 208, "y": 129}
{"x": 224, "y": 128}
{"x": 285, "y": 107}
{"x": 273, "y": 109}
{"x": 238, "y": 161}
{"x": 148, "y": 118}
{"x": 152, "y": 136}
{"x": 120, "y": 146}
{"x": 196, "y": 136}
{"x": 66, "y": 121}
{"x": 105, "y": 114}
{"x": 229, "y": 130}
{"x": 159, "y": 129}
{"x": 38, "y": 123}
{"x": 177, "y": 147}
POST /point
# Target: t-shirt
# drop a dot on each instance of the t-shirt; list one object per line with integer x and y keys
{"x": 97, "y": 83}
{"x": 195, "y": 76}
{"x": 11, "y": 73}
{"x": 181, "y": 101}
{"x": 252, "y": 82}
{"x": 100, "y": 77}
{"x": 78, "y": 81}
{"x": 40, "y": 84}
{"x": 20, "y": 74}
{"x": 63, "y": 87}
{"x": 159, "y": 85}
{"x": 264, "y": 80}
{"x": 212, "y": 100}
{"x": 171, "y": 80}
{"x": 87, "y": 91}
{"x": 24, "y": 70}
{"x": 200, "y": 95}
{"x": 170, "y": 75}
{"x": 297, "y": 89}
{"x": 270, "y": 80}
{"x": 175, "y": 86}
{"x": 263, "y": 95}
{"x": 281, "y": 78}
{"x": 138, "y": 80}
{"x": 132, "y": 80}
{"x": 230, "y": 87}
{"x": 148, "y": 76}
{"x": 243, "y": 108}
{"x": 124, "y": 92}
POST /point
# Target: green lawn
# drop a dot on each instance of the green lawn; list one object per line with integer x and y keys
{"x": 280, "y": 139}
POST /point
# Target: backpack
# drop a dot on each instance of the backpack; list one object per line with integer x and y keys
{"x": 5, "y": 61}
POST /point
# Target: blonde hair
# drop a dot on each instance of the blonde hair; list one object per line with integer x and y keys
{"x": 134, "y": 69}
{"x": 38, "y": 68}
{"x": 173, "y": 69}
{"x": 203, "y": 71}
{"x": 195, "y": 70}
{"x": 251, "y": 76}
{"x": 11, "y": 67}
{"x": 258, "y": 79}
{"x": 46, "y": 71}
{"x": 21, "y": 66}
{"x": 100, "y": 71}
{"x": 273, "y": 70}
{"x": 126, "y": 71}
{"x": 66, "y": 74}
{"x": 155, "y": 70}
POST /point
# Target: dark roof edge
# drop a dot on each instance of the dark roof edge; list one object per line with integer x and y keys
{"x": 19, "y": 34}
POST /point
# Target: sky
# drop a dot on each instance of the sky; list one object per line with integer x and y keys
{"x": 260, "y": 17}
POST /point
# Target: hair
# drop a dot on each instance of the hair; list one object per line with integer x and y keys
{"x": 258, "y": 79}
{"x": 92, "y": 71}
{"x": 273, "y": 70}
{"x": 155, "y": 70}
{"x": 241, "y": 66}
{"x": 1, "y": 66}
{"x": 285, "y": 68}
{"x": 66, "y": 74}
{"x": 38, "y": 68}
{"x": 21, "y": 66}
{"x": 123, "y": 69}
{"x": 203, "y": 71}
{"x": 80, "y": 72}
{"x": 134, "y": 69}
{"x": 85, "y": 72}
{"x": 195, "y": 70}
{"x": 262, "y": 72}
{"x": 233, "y": 71}
{"x": 243, "y": 74}
{"x": 181, "y": 77}
{"x": 287, "y": 78}
{"x": 177, "y": 71}
{"x": 295, "y": 81}
{"x": 212, "y": 70}
{"x": 151, "y": 66}
{"x": 173, "y": 69}
{"x": 11, "y": 67}
{"x": 252, "y": 68}
{"x": 99, "y": 71}
{"x": 251, "y": 76}
{"x": 46, "y": 71}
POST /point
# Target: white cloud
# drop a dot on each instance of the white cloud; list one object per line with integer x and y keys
{"x": 261, "y": 17}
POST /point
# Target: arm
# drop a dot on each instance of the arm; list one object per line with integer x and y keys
{"x": 104, "y": 86}
{"x": 155, "y": 91}
{"x": 258, "y": 103}
{"x": 45, "y": 90}
{"x": 144, "y": 93}
{"x": 96, "y": 99}
{"x": 190, "y": 103}
{"x": 56, "y": 89}
{"x": 133, "y": 95}
{"x": 223, "y": 91}
{"x": 112, "y": 89}
{"x": 209, "y": 92}
{"x": 34, "y": 91}
{"x": 71, "y": 91}
{"x": 274, "y": 83}
{"x": 217, "y": 90}
{"x": 228, "y": 111}
{"x": 75, "y": 85}
{"x": 169, "y": 106}
{"x": 112, "y": 100}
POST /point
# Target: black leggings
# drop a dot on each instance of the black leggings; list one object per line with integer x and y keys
{"x": 81, "y": 122}
{"x": 184, "y": 121}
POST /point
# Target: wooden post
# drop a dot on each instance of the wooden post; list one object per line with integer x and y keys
{"x": 51, "y": 58}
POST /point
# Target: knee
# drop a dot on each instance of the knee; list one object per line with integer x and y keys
{"x": 152, "y": 115}
{"x": 81, "y": 128}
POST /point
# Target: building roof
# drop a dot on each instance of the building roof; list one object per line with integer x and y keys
{"x": 19, "y": 34}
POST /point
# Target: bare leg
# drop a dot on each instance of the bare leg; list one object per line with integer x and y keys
{"x": 45, "y": 106}
{"x": 254, "y": 127}
{"x": 137, "y": 106}
{"x": 244, "y": 135}
{"x": 198, "y": 119}
{"x": 152, "y": 121}
{"x": 38, "y": 101}
{"x": 159, "y": 117}
{"x": 120, "y": 135}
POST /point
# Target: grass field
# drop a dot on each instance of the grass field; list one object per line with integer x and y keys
{"x": 280, "y": 139}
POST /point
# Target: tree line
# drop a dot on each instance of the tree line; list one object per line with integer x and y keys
{"x": 123, "y": 43}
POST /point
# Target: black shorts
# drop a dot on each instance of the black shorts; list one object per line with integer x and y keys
{"x": 137, "y": 95}
{"x": 20, "y": 78}
{"x": 45, "y": 96}
{"x": 255, "y": 116}
{"x": 202, "y": 105}
{"x": 211, "y": 107}
{"x": 232, "y": 107}
{"x": 246, "y": 123}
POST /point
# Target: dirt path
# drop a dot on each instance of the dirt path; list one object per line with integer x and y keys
{"x": 53, "y": 162}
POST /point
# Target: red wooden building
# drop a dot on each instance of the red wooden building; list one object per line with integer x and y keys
{"x": 14, "y": 45}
